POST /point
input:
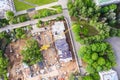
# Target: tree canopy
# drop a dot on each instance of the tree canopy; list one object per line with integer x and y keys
{"x": 3, "y": 65}
{"x": 9, "y": 15}
{"x": 20, "y": 33}
{"x": 31, "y": 52}
{"x": 98, "y": 56}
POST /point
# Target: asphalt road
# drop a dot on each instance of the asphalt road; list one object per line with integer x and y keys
{"x": 75, "y": 43}
{"x": 115, "y": 42}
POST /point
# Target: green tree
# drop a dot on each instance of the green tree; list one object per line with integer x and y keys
{"x": 90, "y": 69}
{"x": 105, "y": 9}
{"x": 113, "y": 7}
{"x": 22, "y": 18}
{"x": 31, "y": 52}
{"x": 94, "y": 56}
{"x": 3, "y": 65}
{"x": 9, "y": 15}
{"x": 95, "y": 76}
{"x": 20, "y": 33}
{"x": 86, "y": 57}
{"x": 88, "y": 77}
{"x": 95, "y": 64}
{"x": 3, "y": 35}
{"x": 101, "y": 61}
{"x": 99, "y": 68}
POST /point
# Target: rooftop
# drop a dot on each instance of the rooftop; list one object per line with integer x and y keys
{"x": 4, "y": 6}
{"x": 108, "y": 75}
{"x": 106, "y": 2}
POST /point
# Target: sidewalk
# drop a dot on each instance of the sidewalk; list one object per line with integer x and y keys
{"x": 10, "y": 27}
{"x": 76, "y": 44}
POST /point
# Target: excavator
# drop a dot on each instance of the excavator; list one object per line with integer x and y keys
{"x": 44, "y": 47}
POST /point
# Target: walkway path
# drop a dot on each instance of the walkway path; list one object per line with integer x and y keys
{"x": 10, "y": 27}
{"x": 28, "y": 3}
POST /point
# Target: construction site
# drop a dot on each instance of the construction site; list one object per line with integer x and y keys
{"x": 55, "y": 46}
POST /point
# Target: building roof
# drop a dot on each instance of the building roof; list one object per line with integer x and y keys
{"x": 63, "y": 50}
{"x": 106, "y": 2}
{"x": 58, "y": 26}
{"x": 4, "y": 6}
{"x": 62, "y": 45}
{"x": 108, "y": 75}
{"x": 58, "y": 30}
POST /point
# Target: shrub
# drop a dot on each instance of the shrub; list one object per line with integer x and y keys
{"x": 44, "y": 13}
{"x": 20, "y": 33}
{"x": 38, "y": 25}
{"x": 21, "y": 18}
{"x": 13, "y": 21}
{"x": 46, "y": 23}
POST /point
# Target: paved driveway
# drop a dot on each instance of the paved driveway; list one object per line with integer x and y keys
{"x": 115, "y": 42}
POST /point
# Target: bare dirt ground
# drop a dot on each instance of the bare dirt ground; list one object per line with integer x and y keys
{"x": 15, "y": 59}
{"x": 67, "y": 69}
{"x": 50, "y": 56}
{"x": 46, "y": 37}
{"x": 53, "y": 67}
{"x": 31, "y": 14}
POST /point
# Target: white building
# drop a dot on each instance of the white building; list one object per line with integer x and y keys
{"x": 58, "y": 30}
{"x": 108, "y": 75}
{"x": 6, "y": 5}
{"x": 105, "y": 2}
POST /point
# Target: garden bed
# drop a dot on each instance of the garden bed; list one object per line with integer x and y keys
{"x": 48, "y": 12}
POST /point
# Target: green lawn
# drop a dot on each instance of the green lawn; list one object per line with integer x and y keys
{"x": 40, "y": 2}
{"x": 83, "y": 30}
{"x": 88, "y": 29}
{"x": 22, "y": 6}
{"x": 48, "y": 12}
